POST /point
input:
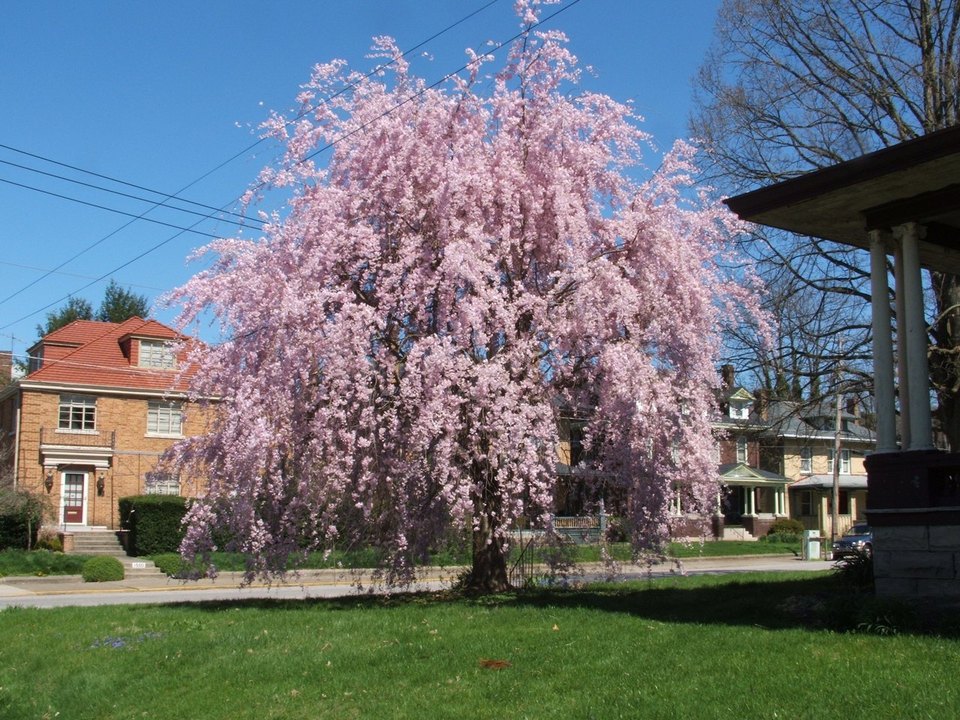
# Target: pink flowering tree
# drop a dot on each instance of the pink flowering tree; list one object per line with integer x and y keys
{"x": 473, "y": 260}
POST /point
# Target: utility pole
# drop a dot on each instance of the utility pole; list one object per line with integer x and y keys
{"x": 835, "y": 514}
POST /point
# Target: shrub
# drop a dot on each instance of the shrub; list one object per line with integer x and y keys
{"x": 781, "y": 538}
{"x": 154, "y": 522}
{"x": 20, "y": 516}
{"x": 786, "y": 526}
{"x": 617, "y": 530}
{"x": 855, "y": 571}
{"x": 102, "y": 569}
{"x": 169, "y": 564}
{"x": 49, "y": 541}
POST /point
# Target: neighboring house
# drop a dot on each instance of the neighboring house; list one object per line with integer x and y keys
{"x": 88, "y": 422}
{"x": 799, "y": 443}
{"x": 752, "y": 497}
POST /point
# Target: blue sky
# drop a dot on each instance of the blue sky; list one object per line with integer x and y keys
{"x": 160, "y": 94}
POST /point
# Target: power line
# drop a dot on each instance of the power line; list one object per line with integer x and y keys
{"x": 424, "y": 90}
{"x": 419, "y": 93}
{"x": 154, "y": 203}
{"x": 166, "y": 196}
{"x": 114, "y": 210}
{"x": 229, "y": 160}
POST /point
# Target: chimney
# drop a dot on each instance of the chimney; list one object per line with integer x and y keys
{"x": 729, "y": 375}
{"x": 762, "y": 405}
{"x": 853, "y": 407}
{"x": 6, "y": 366}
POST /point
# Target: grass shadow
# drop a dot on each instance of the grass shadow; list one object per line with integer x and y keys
{"x": 814, "y": 602}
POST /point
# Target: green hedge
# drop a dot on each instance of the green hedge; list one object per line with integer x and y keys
{"x": 154, "y": 523}
{"x": 786, "y": 526}
{"x": 102, "y": 569}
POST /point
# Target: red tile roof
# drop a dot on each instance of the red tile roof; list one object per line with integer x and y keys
{"x": 97, "y": 357}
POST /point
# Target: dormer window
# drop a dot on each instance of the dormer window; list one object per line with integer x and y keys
{"x": 739, "y": 410}
{"x": 35, "y": 361}
{"x": 737, "y": 403}
{"x": 157, "y": 354}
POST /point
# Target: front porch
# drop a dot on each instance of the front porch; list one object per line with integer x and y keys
{"x": 812, "y": 503}
{"x": 902, "y": 201}
{"x": 753, "y": 500}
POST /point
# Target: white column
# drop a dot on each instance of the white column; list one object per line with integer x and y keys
{"x": 918, "y": 373}
{"x": 882, "y": 346}
{"x": 903, "y": 386}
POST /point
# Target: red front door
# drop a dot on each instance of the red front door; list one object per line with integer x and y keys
{"x": 73, "y": 486}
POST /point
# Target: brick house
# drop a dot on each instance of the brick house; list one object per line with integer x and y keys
{"x": 753, "y": 496}
{"x": 88, "y": 422}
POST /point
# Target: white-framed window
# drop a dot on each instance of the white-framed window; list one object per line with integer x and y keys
{"x": 164, "y": 418}
{"x": 162, "y": 483}
{"x": 739, "y": 410}
{"x": 741, "y": 449}
{"x": 806, "y": 460}
{"x": 844, "y": 462}
{"x": 78, "y": 413}
{"x": 157, "y": 354}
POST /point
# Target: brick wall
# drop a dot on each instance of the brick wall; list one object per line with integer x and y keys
{"x": 135, "y": 453}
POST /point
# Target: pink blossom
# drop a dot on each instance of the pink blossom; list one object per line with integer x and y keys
{"x": 467, "y": 267}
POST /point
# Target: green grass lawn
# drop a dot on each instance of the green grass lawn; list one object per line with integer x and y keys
{"x": 749, "y": 646}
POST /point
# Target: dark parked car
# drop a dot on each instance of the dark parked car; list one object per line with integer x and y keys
{"x": 858, "y": 540}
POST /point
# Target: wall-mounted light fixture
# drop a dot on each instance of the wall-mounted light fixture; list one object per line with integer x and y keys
{"x": 100, "y": 485}
{"x": 48, "y": 481}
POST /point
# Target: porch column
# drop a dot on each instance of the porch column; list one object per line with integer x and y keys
{"x": 901, "y": 355}
{"x": 882, "y": 346}
{"x": 918, "y": 373}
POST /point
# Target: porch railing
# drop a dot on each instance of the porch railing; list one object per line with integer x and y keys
{"x": 66, "y": 438}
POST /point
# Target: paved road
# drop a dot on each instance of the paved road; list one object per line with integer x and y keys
{"x": 72, "y": 591}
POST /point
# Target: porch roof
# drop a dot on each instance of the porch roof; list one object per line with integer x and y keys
{"x": 742, "y": 474}
{"x": 915, "y": 181}
{"x": 825, "y": 482}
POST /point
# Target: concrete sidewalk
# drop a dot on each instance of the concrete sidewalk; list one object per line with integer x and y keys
{"x": 27, "y": 590}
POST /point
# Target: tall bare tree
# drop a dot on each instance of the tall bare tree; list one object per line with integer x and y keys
{"x": 794, "y": 85}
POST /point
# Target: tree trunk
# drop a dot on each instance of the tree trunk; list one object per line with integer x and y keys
{"x": 489, "y": 571}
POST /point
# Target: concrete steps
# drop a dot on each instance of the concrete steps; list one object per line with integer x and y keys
{"x": 737, "y": 533}
{"x": 106, "y": 542}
